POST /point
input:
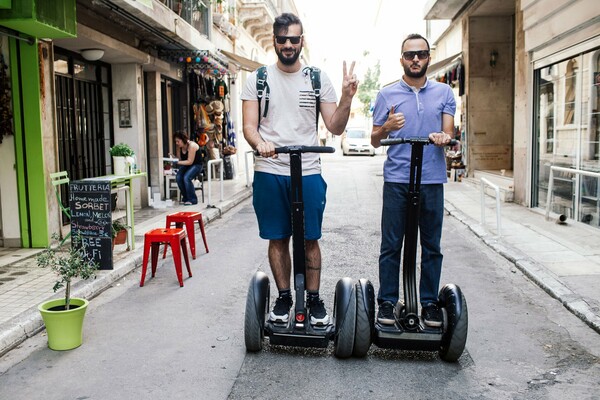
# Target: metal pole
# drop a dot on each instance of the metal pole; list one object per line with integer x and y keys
{"x": 497, "y": 195}
{"x": 247, "y": 171}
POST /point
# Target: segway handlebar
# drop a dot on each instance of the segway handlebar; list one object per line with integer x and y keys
{"x": 301, "y": 149}
{"x": 413, "y": 140}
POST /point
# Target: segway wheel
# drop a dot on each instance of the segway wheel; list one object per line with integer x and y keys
{"x": 454, "y": 337}
{"x": 365, "y": 317}
{"x": 345, "y": 318}
{"x": 257, "y": 307}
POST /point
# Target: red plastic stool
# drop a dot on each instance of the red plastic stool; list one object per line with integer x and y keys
{"x": 188, "y": 218}
{"x": 172, "y": 237}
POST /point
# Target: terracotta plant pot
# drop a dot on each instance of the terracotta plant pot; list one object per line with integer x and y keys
{"x": 121, "y": 237}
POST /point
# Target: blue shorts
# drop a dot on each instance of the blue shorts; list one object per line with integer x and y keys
{"x": 272, "y": 198}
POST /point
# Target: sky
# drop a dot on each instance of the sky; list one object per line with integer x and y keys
{"x": 338, "y": 30}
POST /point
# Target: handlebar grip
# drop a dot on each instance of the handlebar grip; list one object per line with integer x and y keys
{"x": 301, "y": 149}
{"x": 422, "y": 140}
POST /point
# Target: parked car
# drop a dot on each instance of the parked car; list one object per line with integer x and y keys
{"x": 357, "y": 141}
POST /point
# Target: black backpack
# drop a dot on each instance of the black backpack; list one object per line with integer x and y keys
{"x": 263, "y": 90}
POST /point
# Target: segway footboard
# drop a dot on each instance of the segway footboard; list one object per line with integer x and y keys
{"x": 299, "y": 334}
{"x": 394, "y": 337}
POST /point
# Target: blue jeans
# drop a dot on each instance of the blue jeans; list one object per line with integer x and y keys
{"x": 393, "y": 224}
{"x": 185, "y": 174}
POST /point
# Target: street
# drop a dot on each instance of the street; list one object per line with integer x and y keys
{"x": 166, "y": 342}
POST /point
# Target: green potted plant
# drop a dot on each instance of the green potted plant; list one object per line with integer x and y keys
{"x": 119, "y": 232}
{"x": 122, "y": 155}
{"x": 63, "y": 317}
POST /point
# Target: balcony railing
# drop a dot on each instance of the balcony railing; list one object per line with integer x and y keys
{"x": 256, "y": 17}
{"x": 194, "y": 12}
{"x": 266, "y": 3}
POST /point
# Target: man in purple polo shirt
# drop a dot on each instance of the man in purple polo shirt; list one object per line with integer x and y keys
{"x": 413, "y": 107}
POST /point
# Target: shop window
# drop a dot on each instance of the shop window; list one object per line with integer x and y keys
{"x": 567, "y": 134}
{"x": 593, "y": 145}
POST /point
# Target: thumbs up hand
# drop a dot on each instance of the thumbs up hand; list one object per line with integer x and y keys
{"x": 394, "y": 122}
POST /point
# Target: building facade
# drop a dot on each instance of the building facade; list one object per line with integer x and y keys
{"x": 85, "y": 75}
{"x": 529, "y": 101}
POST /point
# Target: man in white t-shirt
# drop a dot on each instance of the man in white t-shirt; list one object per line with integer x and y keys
{"x": 291, "y": 120}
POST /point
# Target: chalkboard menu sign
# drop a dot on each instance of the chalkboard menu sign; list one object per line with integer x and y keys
{"x": 91, "y": 219}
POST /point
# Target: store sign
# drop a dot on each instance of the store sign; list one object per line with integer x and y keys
{"x": 91, "y": 219}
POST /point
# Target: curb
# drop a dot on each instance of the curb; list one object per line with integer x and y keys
{"x": 29, "y": 323}
{"x": 533, "y": 270}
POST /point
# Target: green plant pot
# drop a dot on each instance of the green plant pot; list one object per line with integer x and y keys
{"x": 64, "y": 328}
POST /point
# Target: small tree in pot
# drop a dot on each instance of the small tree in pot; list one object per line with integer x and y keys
{"x": 64, "y": 317}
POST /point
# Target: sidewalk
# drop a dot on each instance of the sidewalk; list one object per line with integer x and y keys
{"x": 23, "y": 285}
{"x": 564, "y": 260}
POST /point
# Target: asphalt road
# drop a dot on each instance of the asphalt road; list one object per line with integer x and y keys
{"x": 166, "y": 342}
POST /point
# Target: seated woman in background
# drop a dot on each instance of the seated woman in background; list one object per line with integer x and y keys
{"x": 190, "y": 164}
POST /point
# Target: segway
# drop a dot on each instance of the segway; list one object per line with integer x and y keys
{"x": 298, "y": 331}
{"x": 409, "y": 332}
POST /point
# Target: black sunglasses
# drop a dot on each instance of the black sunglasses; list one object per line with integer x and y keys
{"x": 410, "y": 55}
{"x": 292, "y": 39}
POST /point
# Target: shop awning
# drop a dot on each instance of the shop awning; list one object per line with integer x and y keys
{"x": 444, "y": 65}
{"x": 243, "y": 62}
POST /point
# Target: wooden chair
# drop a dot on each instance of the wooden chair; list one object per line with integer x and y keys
{"x": 58, "y": 179}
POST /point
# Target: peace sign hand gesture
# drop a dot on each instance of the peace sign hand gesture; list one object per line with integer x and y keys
{"x": 350, "y": 83}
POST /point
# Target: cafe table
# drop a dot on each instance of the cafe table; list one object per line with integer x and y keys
{"x": 123, "y": 183}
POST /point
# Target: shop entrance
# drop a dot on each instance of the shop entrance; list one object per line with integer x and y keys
{"x": 83, "y": 115}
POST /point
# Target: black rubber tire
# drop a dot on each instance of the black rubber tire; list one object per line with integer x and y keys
{"x": 454, "y": 338}
{"x": 343, "y": 342}
{"x": 254, "y": 319}
{"x": 365, "y": 320}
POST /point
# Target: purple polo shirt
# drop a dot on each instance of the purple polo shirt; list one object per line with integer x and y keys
{"x": 422, "y": 111}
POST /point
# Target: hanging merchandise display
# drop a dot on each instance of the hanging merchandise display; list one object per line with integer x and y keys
{"x": 209, "y": 92}
{"x": 453, "y": 76}
{"x": 221, "y": 89}
{"x": 231, "y": 137}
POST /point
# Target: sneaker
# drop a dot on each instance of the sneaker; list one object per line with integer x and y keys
{"x": 432, "y": 316}
{"x": 385, "y": 315}
{"x": 281, "y": 309}
{"x": 318, "y": 314}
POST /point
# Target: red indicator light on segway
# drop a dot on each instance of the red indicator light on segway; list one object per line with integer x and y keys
{"x": 300, "y": 317}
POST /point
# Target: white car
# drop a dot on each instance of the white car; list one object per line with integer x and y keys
{"x": 357, "y": 141}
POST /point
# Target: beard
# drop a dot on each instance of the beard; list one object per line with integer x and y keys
{"x": 285, "y": 60}
{"x": 419, "y": 74}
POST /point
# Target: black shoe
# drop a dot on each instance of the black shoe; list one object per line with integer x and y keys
{"x": 385, "y": 315}
{"x": 432, "y": 316}
{"x": 318, "y": 314}
{"x": 281, "y": 309}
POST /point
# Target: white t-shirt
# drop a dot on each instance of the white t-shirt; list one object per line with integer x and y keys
{"x": 291, "y": 117}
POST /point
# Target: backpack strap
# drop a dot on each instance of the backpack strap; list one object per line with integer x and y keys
{"x": 315, "y": 80}
{"x": 262, "y": 90}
